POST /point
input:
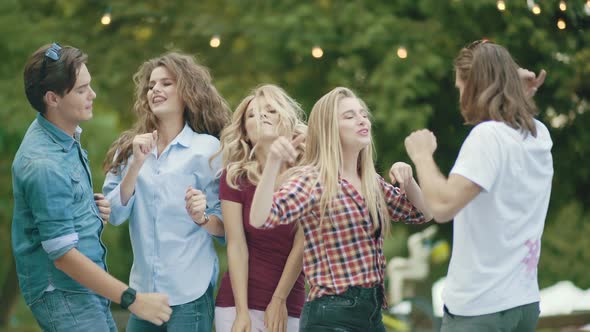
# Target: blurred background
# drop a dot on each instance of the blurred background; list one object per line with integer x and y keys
{"x": 396, "y": 54}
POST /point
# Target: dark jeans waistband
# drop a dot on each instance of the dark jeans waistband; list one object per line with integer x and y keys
{"x": 357, "y": 309}
{"x": 375, "y": 292}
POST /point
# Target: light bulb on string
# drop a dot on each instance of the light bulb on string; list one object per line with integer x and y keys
{"x": 106, "y": 17}
{"x": 501, "y": 5}
{"x": 561, "y": 24}
{"x": 562, "y": 6}
{"x": 215, "y": 41}
{"x": 536, "y": 9}
{"x": 317, "y": 52}
{"x": 402, "y": 52}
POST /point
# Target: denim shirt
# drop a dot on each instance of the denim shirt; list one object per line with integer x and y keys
{"x": 171, "y": 254}
{"x": 54, "y": 209}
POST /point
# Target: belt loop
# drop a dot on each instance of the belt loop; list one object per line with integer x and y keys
{"x": 378, "y": 296}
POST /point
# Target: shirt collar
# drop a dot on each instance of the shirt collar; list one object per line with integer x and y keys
{"x": 184, "y": 138}
{"x": 58, "y": 135}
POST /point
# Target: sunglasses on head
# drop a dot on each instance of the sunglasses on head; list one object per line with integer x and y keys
{"x": 51, "y": 53}
{"x": 476, "y": 43}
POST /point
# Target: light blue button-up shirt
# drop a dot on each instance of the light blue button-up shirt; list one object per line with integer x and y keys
{"x": 172, "y": 254}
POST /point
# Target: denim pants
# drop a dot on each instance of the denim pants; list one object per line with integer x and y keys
{"x": 195, "y": 316}
{"x": 58, "y": 310}
{"x": 357, "y": 309}
{"x": 519, "y": 319}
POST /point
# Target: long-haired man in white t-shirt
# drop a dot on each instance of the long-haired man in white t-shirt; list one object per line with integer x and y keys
{"x": 497, "y": 193}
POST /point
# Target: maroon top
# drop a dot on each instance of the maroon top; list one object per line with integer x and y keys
{"x": 268, "y": 251}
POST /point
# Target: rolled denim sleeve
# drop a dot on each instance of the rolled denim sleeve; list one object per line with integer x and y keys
{"x": 57, "y": 247}
{"x": 112, "y": 191}
{"x": 48, "y": 190}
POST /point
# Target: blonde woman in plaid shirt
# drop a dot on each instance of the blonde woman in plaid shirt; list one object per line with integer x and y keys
{"x": 343, "y": 254}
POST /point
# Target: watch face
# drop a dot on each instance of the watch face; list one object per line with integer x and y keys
{"x": 128, "y": 298}
{"x": 205, "y": 219}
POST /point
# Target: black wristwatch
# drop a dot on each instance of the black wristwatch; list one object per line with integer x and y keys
{"x": 128, "y": 297}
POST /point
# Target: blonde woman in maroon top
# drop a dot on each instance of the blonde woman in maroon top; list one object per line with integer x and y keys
{"x": 264, "y": 288}
{"x": 344, "y": 208}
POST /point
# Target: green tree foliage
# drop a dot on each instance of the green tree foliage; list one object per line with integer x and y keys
{"x": 565, "y": 247}
{"x": 271, "y": 42}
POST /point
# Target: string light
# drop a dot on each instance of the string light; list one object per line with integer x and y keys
{"x": 317, "y": 52}
{"x": 402, "y": 53}
{"x": 587, "y": 8}
{"x": 106, "y": 17}
{"x": 215, "y": 41}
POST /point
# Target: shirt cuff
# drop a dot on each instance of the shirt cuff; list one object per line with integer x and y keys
{"x": 119, "y": 212}
{"x": 57, "y": 247}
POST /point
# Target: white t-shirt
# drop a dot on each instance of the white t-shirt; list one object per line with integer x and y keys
{"x": 497, "y": 236}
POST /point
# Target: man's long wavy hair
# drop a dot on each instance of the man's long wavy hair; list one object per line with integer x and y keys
{"x": 205, "y": 111}
{"x": 324, "y": 152}
{"x": 239, "y": 154}
{"x": 492, "y": 88}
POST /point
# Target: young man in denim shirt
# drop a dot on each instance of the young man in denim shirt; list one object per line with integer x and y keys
{"x": 58, "y": 220}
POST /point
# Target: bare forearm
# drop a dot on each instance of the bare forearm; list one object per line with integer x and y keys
{"x": 292, "y": 268}
{"x": 128, "y": 183}
{"x": 237, "y": 257}
{"x": 214, "y": 226}
{"x": 262, "y": 201}
{"x": 88, "y": 274}
{"x": 434, "y": 187}
{"x": 416, "y": 197}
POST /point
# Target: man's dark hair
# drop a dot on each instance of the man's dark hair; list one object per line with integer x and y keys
{"x": 51, "y": 68}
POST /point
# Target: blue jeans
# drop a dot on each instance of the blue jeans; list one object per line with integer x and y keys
{"x": 59, "y": 310}
{"x": 195, "y": 316}
{"x": 357, "y": 309}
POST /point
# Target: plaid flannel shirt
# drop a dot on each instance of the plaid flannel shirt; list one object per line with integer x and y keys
{"x": 344, "y": 250}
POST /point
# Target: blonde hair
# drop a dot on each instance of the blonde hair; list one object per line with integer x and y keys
{"x": 324, "y": 152}
{"x": 205, "y": 110}
{"x": 238, "y": 151}
{"x": 493, "y": 90}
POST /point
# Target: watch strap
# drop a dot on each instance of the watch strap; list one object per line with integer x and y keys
{"x": 128, "y": 297}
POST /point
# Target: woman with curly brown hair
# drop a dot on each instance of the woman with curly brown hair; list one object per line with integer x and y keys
{"x": 161, "y": 177}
